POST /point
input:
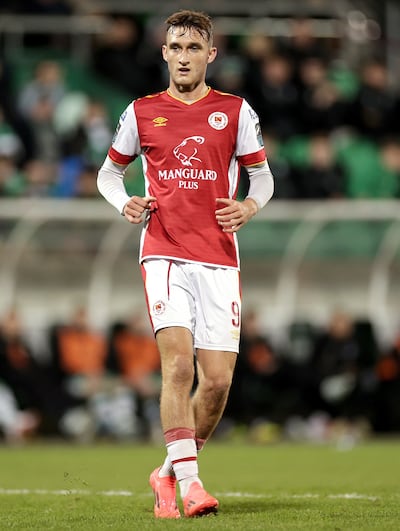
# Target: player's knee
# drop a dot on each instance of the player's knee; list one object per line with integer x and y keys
{"x": 218, "y": 386}
{"x": 179, "y": 371}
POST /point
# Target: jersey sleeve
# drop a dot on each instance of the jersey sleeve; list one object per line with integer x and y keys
{"x": 250, "y": 147}
{"x": 125, "y": 146}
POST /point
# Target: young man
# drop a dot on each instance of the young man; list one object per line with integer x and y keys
{"x": 192, "y": 140}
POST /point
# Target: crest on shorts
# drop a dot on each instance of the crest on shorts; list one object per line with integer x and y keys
{"x": 218, "y": 120}
{"x": 158, "y": 307}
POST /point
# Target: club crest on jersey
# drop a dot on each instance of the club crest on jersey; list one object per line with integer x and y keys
{"x": 218, "y": 120}
{"x": 159, "y": 308}
{"x": 187, "y": 150}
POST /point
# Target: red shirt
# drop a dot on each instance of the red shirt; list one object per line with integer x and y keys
{"x": 191, "y": 154}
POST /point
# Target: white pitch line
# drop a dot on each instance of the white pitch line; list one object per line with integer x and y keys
{"x": 307, "y": 495}
{"x": 122, "y": 493}
{"x": 353, "y": 496}
{"x": 116, "y": 493}
{"x": 242, "y": 495}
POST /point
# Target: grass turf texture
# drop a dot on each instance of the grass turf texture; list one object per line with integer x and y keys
{"x": 300, "y": 487}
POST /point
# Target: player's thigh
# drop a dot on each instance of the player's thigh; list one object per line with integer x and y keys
{"x": 218, "y": 309}
{"x": 174, "y": 342}
{"x": 216, "y": 366}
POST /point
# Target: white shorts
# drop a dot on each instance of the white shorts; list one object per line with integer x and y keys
{"x": 206, "y": 300}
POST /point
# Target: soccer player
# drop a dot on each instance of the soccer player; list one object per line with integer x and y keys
{"x": 192, "y": 140}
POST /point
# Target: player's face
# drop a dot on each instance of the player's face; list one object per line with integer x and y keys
{"x": 187, "y": 54}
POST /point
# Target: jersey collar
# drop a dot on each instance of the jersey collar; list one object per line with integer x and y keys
{"x": 191, "y": 102}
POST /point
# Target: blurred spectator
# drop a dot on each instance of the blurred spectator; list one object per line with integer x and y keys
{"x": 10, "y": 114}
{"x": 300, "y": 339}
{"x": 15, "y": 424}
{"x": 134, "y": 356}
{"x": 12, "y": 180}
{"x": 5, "y": 85}
{"x": 86, "y": 182}
{"x": 303, "y": 44}
{"x": 322, "y": 177}
{"x": 277, "y": 102}
{"x": 78, "y": 354}
{"x": 85, "y": 140}
{"x": 34, "y": 389}
{"x": 40, "y": 177}
{"x": 340, "y": 371}
{"x": 89, "y": 134}
{"x": 79, "y": 364}
{"x": 254, "y": 49}
{"x": 148, "y": 53}
{"x": 97, "y": 131}
{"x": 77, "y": 179}
{"x": 374, "y": 112}
{"x": 321, "y": 107}
{"x": 46, "y": 85}
{"x": 230, "y": 75}
{"x": 344, "y": 78}
{"x": 371, "y": 170}
{"x": 117, "y": 60}
{"x": 10, "y": 143}
{"x": 387, "y": 413}
{"x": 259, "y": 385}
{"x": 284, "y": 186}
{"x": 37, "y": 103}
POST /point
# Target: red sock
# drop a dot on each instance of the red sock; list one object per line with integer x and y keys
{"x": 200, "y": 443}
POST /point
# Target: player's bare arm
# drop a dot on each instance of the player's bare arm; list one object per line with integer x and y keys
{"x": 232, "y": 214}
{"x": 135, "y": 207}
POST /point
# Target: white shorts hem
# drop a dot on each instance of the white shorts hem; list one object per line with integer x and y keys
{"x": 223, "y": 348}
{"x": 172, "y": 325}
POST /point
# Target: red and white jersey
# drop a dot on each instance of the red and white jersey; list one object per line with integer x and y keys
{"x": 191, "y": 155}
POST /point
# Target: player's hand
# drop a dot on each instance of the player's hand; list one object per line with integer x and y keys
{"x": 234, "y": 214}
{"x": 136, "y": 206}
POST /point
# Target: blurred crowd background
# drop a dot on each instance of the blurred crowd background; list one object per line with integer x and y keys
{"x": 329, "y": 105}
{"x": 324, "y": 80}
{"x": 324, "y": 384}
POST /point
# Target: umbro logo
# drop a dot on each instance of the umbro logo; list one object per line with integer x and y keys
{"x": 160, "y": 121}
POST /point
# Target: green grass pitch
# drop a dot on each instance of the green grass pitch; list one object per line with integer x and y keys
{"x": 282, "y": 486}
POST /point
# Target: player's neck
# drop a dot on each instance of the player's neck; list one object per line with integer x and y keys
{"x": 188, "y": 95}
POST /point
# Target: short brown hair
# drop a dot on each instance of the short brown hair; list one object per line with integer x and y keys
{"x": 196, "y": 20}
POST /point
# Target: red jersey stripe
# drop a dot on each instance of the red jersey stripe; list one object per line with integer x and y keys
{"x": 253, "y": 158}
{"x": 119, "y": 158}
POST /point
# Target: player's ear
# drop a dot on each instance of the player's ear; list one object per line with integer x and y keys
{"x": 212, "y": 54}
{"x": 164, "y": 51}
